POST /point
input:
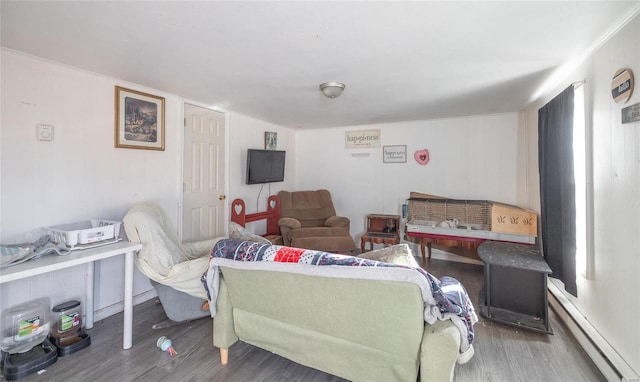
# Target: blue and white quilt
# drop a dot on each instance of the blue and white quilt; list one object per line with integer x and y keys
{"x": 443, "y": 299}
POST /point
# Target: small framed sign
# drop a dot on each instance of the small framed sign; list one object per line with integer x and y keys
{"x": 362, "y": 139}
{"x": 631, "y": 113}
{"x": 394, "y": 154}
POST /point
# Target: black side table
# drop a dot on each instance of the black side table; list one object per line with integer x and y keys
{"x": 515, "y": 285}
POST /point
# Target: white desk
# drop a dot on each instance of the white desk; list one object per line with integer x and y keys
{"x": 51, "y": 263}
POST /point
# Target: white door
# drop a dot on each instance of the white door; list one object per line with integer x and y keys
{"x": 203, "y": 173}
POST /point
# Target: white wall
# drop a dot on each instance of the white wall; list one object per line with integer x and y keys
{"x": 80, "y": 175}
{"x": 471, "y": 158}
{"x": 610, "y": 301}
{"x": 77, "y": 176}
{"x": 248, "y": 133}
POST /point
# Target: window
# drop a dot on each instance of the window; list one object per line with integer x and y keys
{"x": 581, "y": 154}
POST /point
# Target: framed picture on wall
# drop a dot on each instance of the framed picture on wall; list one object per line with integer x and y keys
{"x": 394, "y": 154}
{"x": 270, "y": 140}
{"x": 139, "y": 120}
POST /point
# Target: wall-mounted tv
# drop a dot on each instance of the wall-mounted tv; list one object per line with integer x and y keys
{"x": 265, "y": 166}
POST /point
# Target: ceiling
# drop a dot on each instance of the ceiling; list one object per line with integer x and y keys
{"x": 400, "y": 61}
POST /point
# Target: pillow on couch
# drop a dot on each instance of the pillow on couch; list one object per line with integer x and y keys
{"x": 394, "y": 254}
{"x": 238, "y": 232}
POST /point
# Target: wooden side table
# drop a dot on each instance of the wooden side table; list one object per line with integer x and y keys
{"x": 381, "y": 229}
{"x": 426, "y": 239}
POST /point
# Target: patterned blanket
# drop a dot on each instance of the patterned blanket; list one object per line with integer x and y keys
{"x": 449, "y": 296}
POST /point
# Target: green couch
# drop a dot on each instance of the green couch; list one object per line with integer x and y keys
{"x": 347, "y": 322}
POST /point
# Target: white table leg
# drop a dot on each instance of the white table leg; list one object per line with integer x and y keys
{"x": 88, "y": 304}
{"x": 127, "y": 334}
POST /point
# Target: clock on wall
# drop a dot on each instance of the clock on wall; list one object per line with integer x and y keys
{"x": 622, "y": 85}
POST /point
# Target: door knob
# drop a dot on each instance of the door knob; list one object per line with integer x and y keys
{"x": 222, "y": 197}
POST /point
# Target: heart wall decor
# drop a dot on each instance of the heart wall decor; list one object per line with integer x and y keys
{"x": 421, "y": 156}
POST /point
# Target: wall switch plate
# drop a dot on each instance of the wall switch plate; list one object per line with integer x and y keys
{"x": 45, "y": 132}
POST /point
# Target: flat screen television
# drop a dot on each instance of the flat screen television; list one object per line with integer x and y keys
{"x": 265, "y": 166}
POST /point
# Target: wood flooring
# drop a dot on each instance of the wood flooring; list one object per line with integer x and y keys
{"x": 502, "y": 353}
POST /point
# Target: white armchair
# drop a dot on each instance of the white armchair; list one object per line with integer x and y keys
{"x": 174, "y": 268}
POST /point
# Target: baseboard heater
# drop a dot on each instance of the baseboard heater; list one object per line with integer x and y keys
{"x": 608, "y": 361}
{"x": 118, "y": 307}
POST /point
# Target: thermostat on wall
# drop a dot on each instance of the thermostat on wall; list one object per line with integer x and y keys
{"x": 45, "y": 132}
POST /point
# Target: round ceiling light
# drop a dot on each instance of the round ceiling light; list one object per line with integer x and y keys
{"x": 332, "y": 89}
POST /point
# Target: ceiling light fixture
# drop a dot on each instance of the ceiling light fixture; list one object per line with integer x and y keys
{"x": 332, "y": 89}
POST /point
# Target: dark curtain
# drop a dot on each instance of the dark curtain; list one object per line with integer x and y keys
{"x": 557, "y": 188}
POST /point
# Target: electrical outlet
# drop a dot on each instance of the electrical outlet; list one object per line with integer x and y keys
{"x": 45, "y": 132}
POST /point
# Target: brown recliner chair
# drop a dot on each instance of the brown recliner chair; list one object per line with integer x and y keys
{"x": 308, "y": 220}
